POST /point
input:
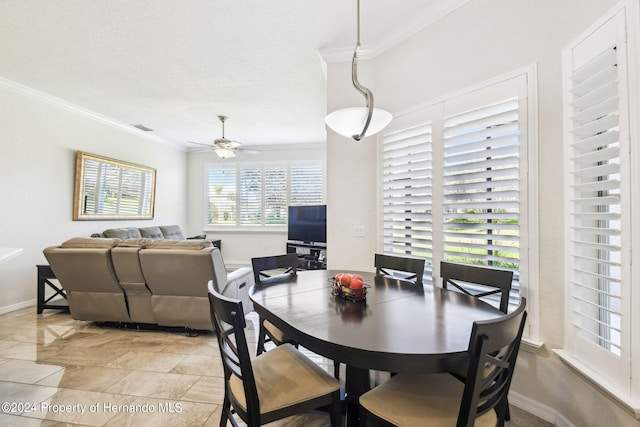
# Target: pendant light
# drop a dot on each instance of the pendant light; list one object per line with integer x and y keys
{"x": 358, "y": 122}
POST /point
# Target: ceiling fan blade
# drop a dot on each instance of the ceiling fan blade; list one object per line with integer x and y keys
{"x": 248, "y": 151}
{"x": 199, "y": 143}
{"x": 201, "y": 150}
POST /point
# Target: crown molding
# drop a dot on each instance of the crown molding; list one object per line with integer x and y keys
{"x": 76, "y": 109}
{"x": 432, "y": 13}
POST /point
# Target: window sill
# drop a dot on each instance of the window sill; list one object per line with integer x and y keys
{"x": 601, "y": 383}
{"x": 245, "y": 230}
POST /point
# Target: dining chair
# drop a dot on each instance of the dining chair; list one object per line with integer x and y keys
{"x": 277, "y": 384}
{"x": 477, "y": 281}
{"x": 272, "y": 268}
{"x": 387, "y": 265}
{"x": 408, "y": 400}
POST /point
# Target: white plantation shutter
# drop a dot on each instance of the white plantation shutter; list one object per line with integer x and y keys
{"x": 110, "y": 182}
{"x": 481, "y": 186}
{"x": 407, "y": 203}
{"x": 250, "y": 196}
{"x": 134, "y": 191}
{"x": 275, "y": 195}
{"x": 596, "y": 209}
{"x": 599, "y": 201}
{"x": 307, "y": 181}
{"x": 92, "y": 187}
{"x": 113, "y": 190}
{"x": 259, "y": 194}
{"x": 221, "y": 196}
{"x": 455, "y": 181}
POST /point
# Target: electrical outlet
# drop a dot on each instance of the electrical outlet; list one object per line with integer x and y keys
{"x": 358, "y": 231}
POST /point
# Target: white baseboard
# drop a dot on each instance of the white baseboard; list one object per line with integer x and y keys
{"x": 541, "y": 411}
{"x": 234, "y": 265}
{"x": 19, "y": 306}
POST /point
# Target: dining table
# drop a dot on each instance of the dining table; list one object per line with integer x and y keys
{"x": 400, "y": 327}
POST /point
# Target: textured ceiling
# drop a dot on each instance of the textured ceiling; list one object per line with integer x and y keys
{"x": 174, "y": 66}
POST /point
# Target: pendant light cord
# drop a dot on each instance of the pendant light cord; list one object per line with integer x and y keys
{"x": 354, "y": 79}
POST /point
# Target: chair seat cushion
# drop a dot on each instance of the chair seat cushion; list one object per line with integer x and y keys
{"x": 276, "y": 333}
{"x": 419, "y": 400}
{"x": 284, "y": 377}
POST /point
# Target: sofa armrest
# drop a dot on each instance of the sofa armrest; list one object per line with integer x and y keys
{"x": 238, "y": 284}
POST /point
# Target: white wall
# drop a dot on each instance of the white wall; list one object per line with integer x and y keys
{"x": 38, "y": 142}
{"x": 481, "y": 40}
{"x": 351, "y": 177}
{"x": 238, "y": 247}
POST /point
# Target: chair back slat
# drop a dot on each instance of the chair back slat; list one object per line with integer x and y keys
{"x": 285, "y": 264}
{"x": 386, "y": 265}
{"x": 464, "y": 276}
{"x": 493, "y": 347}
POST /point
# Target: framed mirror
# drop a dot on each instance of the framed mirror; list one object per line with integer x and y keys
{"x": 107, "y": 189}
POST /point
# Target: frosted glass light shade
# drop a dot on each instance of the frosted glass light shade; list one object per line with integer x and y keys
{"x": 350, "y": 121}
{"x": 225, "y": 153}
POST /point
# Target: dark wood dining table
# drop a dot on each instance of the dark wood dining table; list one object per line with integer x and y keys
{"x": 401, "y": 327}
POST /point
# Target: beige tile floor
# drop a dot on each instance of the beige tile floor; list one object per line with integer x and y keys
{"x": 55, "y": 371}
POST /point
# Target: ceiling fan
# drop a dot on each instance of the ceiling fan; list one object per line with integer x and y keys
{"x": 224, "y": 147}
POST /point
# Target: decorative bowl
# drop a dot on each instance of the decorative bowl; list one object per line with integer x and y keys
{"x": 348, "y": 293}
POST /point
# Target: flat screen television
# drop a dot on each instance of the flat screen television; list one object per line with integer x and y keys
{"x": 308, "y": 223}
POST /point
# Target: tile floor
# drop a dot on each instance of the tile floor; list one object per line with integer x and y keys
{"x": 55, "y": 371}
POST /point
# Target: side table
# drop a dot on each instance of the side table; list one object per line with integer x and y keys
{"x": 45, "y": 273}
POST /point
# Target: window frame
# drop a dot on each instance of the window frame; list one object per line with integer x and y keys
{"x": 619, "y": 378}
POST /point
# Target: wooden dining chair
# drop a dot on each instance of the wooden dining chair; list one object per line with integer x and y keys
{"x": 272, "y": 268}
{"x": 387, "y": 265}
{"x": 478, "y": 281}
{"x": 408, "y": 400}
{"x": 277, "y": 384}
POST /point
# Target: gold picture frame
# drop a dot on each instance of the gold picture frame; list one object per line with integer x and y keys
{"x": 110, "y": 189}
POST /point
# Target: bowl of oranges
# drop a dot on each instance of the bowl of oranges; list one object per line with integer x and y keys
{"x": 349, "y": 286}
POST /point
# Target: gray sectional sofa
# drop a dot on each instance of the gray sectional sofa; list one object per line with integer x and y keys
{"x": 157, "y": 232}
{"x": 141, "y": 280}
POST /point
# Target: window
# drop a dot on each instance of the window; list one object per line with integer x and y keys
{"x": 601, "y": 194}
{"x": 482, "y": 187}
{"x": 455, "y": 178}
{"x": 407, "y": 192}
{"x": 257, "y": 195}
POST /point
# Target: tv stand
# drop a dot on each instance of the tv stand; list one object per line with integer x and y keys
{"x": 311, "y": 256}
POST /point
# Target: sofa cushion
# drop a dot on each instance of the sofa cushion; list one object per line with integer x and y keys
{"x": 134, "y": 243}
{"x": 173, "y": 232}
{"x": 90, "y": 242}
{"x": 152, "y": 232}
{"x": 179, "y": 244}
{"x": 123, "y": 233}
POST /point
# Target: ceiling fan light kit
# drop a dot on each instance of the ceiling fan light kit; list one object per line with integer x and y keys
{"x": 223, "y": 147}
{"x": 225, "y": 153}
{"x": 358, "y": 122}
